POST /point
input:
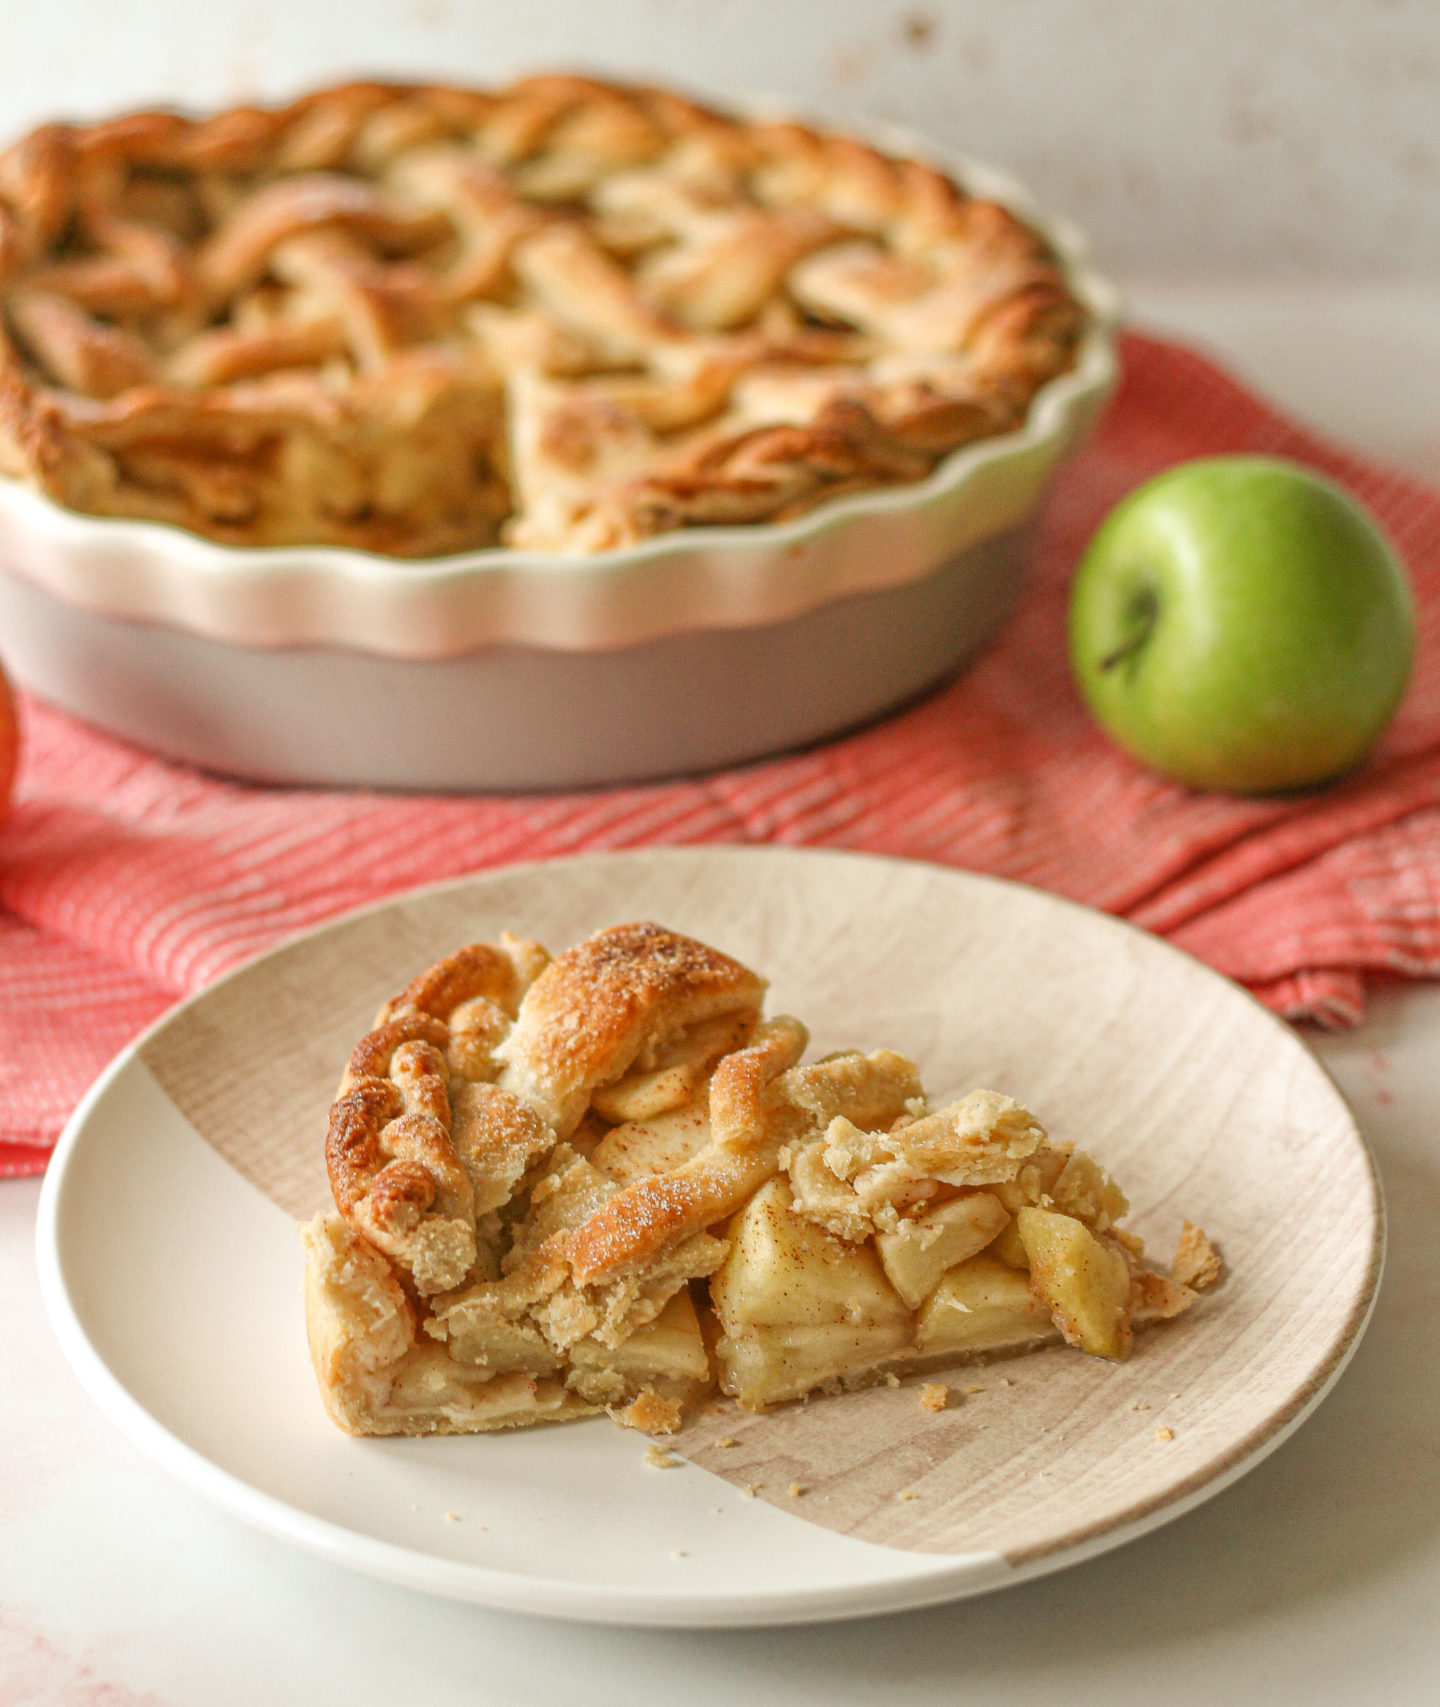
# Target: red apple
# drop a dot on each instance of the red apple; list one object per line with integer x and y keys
{"x": 9, "y": 743}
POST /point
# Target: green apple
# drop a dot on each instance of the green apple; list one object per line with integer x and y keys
{"x": 1240, "y": 623}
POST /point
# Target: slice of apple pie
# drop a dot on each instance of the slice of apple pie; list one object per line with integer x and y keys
{"x": 607, "y": 1182}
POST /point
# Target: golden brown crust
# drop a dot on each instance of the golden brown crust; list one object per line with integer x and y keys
{"x": 352, "y": 1145}
{"x": 478, "y": 969}
{"x": 597, "y": 1010}
{"x": 402, "y": 1170}
{"x": 394, "y": 1170}
{"x": 370, "y": 1059}
{"x": 322, "y": 322}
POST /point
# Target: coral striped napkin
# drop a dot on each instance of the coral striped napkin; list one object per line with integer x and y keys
{"x": 126, "y": 881}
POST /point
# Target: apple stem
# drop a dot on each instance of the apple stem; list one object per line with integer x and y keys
{"x": 1144, "y": 609}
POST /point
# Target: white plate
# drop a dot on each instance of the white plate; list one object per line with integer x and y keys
{"x": 173, "y": 1282}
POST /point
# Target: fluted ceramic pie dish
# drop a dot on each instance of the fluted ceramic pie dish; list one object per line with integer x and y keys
{"x": 505, "y": 668}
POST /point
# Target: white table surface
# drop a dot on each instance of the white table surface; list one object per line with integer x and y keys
{"x": 1315, "y": 1580}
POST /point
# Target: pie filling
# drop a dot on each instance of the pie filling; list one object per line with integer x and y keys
{"x": 565, "y": 315}
{"x": 607, "y": 1182}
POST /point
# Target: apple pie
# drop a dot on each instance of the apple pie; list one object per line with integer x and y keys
{"x": 609, "y": 1182}
{"x": 565, "y": 315}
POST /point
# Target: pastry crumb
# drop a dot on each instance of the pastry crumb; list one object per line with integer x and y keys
{"x": 1164, "y": 1435}
{"x": 796, "y": 1489}
{"x": 659, "y": 1459}
{"x": 934, "y": 1396}
{"x": 1139, "y": 1405}
{"x": 650, "y": 1414}
{"x": 729, "y": 1440}
{"x": 452, "y": 1517}
{"x": 974, "y": 1389}
{"x": 1131, "y": 1241}
{"x": 749, "y": 1490}
{"x": 1197, "y": 1263}
{"x": 678, "y": 1553}
{"x": 907, "y": 1494}
{"x": 891, "y": 1378}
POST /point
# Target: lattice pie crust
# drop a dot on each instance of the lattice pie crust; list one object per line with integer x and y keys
{"x": 564, "y": 315}
{"x": 606, "y": 1182}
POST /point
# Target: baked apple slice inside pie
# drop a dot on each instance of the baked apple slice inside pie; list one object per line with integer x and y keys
{"x": 608, "y": 1182}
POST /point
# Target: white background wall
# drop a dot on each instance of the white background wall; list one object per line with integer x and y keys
{"x": 1187, "y": 135}
{"x": 1264, "y": 174}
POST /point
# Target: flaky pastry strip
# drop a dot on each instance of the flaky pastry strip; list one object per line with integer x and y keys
{"x": 608, "y": 1003}
{"x": 393, "y": 1169}
{"x": 759, "y": 1101}
{"x": 656, "y": 1213}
